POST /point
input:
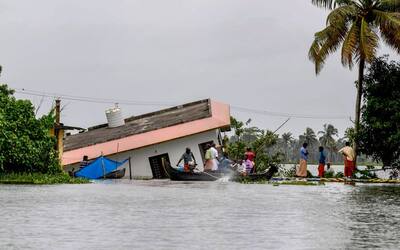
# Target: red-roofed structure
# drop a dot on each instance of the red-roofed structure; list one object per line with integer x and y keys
{"x": 150, "y": 138}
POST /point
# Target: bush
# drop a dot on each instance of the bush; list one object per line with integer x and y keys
{"x": 37, "y": 178}
{"x": 26, "y": 145}
{"x": 366, "y": 174}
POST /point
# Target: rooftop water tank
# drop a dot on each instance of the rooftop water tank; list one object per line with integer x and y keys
{"x": 114, "y": 117}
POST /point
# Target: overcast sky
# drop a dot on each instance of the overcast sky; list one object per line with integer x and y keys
{"x": 248, "y": 53}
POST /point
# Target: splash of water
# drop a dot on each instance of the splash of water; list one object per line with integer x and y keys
{"x": 224, "y": 179}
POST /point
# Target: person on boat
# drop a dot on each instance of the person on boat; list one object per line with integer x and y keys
{"x": 214, "y": 157}
{"x": 189, "y": 161}
{"x": 225, "y": 163}
{"x": 208, "y": 158}
{"x": 302, "y": 170}
{"x": 321, "y": 161}
{"x": 249, "y": 164}
{"x": 241, "y": 167}
{"x": 251, "y": 156}
{"x": 329, "y": 171}
{"x": 349, "y": 156}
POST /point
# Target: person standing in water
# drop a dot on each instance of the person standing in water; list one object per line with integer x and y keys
{"x": 321, "y": 161}
{"x": 302, "y": 170}
{"x": 349, "y": 156}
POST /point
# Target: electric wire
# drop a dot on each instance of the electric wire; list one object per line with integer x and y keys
{"x": 169, "y": 104}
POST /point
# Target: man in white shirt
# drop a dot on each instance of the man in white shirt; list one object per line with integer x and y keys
{"x": 214, "y": 157}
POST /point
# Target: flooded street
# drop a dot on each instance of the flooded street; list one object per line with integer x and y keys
{"x": 213, "y": 215}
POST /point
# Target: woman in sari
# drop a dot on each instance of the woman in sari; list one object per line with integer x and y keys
{"x": 302, "y": 170}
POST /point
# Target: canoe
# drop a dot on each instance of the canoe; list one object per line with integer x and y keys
{"x": 117, "y": 174}
{"x": 177, "y": 175}
{"x": 264, "y": 176}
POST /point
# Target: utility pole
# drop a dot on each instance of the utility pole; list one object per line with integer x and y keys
{"x": 57, "y": 124}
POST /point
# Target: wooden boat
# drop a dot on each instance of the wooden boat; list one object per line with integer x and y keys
{"x": 117, "y": 174}
{"x": 264, "y": 176}
{"x": 177, "y": 175}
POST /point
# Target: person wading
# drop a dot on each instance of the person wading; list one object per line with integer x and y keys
{"x": 349, "y": 156}
{"x": 189, "y": 162}
{"x": 302, "y": 170}
{"x": 321, "y": 161}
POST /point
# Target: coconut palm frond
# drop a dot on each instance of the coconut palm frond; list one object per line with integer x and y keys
{"x": 342, "y": 15}
{"x": 389, "y": 26}
{"x": 369, "y": 42}
{"x": 389, "y": 5}
{"x": 350, "y": 45}
{"x": 331, "y": 4}
{"x": 326, "y": 41}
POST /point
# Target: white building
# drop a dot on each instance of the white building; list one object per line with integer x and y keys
{"x": 152, "y": 137}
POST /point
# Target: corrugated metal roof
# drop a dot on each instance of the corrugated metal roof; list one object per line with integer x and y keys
{"x": 140, "y": 124}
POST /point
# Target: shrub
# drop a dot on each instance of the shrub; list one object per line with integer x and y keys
{"x": 25, "y": 142}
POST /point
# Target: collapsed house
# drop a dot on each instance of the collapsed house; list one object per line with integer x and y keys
{"x": 151, "y": 140}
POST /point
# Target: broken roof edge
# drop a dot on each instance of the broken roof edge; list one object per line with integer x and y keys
{"x": 219, "y": 119}
{"x": 132, "y": 118}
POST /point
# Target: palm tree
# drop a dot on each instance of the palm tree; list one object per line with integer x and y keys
{"x": 309, "y": 137}
{"x": 327, "y": 139}
{"x": 356, "y": 24}
{"x": 287, "y": 139}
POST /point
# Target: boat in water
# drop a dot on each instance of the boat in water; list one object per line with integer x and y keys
{"x": 263, "y": 176}
{"x": 102, "y": 168}
{"x": 116, "y": 174}
{"x": 176, "y": 174}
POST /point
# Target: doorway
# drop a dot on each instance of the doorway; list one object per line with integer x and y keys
{"x": 159, "y": 165}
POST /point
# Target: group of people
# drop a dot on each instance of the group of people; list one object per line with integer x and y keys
{"x": 215, "y": 162}
{"x": 247, "y": 165}
{"x": 348, "y": 155}
{"x": 212, "y": 160}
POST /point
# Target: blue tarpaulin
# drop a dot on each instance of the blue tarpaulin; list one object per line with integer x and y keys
{"x": 99, "y": 168}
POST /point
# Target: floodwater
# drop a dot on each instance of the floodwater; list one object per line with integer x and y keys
{"x": 205, "y": 215}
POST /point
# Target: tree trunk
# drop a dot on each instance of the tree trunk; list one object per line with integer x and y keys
{"x": 358, "y": 105}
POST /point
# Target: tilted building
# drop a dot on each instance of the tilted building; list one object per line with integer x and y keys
{"x": 153, "y": 138}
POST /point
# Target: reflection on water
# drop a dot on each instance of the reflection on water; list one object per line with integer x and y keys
{"x": 204, "y": 215}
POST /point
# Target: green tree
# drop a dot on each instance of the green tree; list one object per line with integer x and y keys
{"x": 326, "y": 138}
{"x": 356, "y": 25}
{"x": 25, "y": 142}
{"x": 286, "y": 141}
{"x": 380, "y": 127}
{"x": 309, "y": 137}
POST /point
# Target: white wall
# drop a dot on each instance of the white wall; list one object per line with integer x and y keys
{"x": 175, "y": 148}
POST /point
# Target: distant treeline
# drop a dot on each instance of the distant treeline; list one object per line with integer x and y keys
{"x": 289, "y": 146}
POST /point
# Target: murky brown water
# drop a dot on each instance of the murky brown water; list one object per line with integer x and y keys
{"x": 171, "y": 215}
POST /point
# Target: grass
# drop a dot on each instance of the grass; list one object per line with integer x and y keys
{"x": 40, "y": 179}
{"x": 300, "y": 183}
{"x": 276, "y": 183}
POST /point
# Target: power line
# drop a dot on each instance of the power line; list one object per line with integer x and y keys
{"x": 168, "y": 104}
{"x": 291, "y": 115}
{"x": 92, "y": 99}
